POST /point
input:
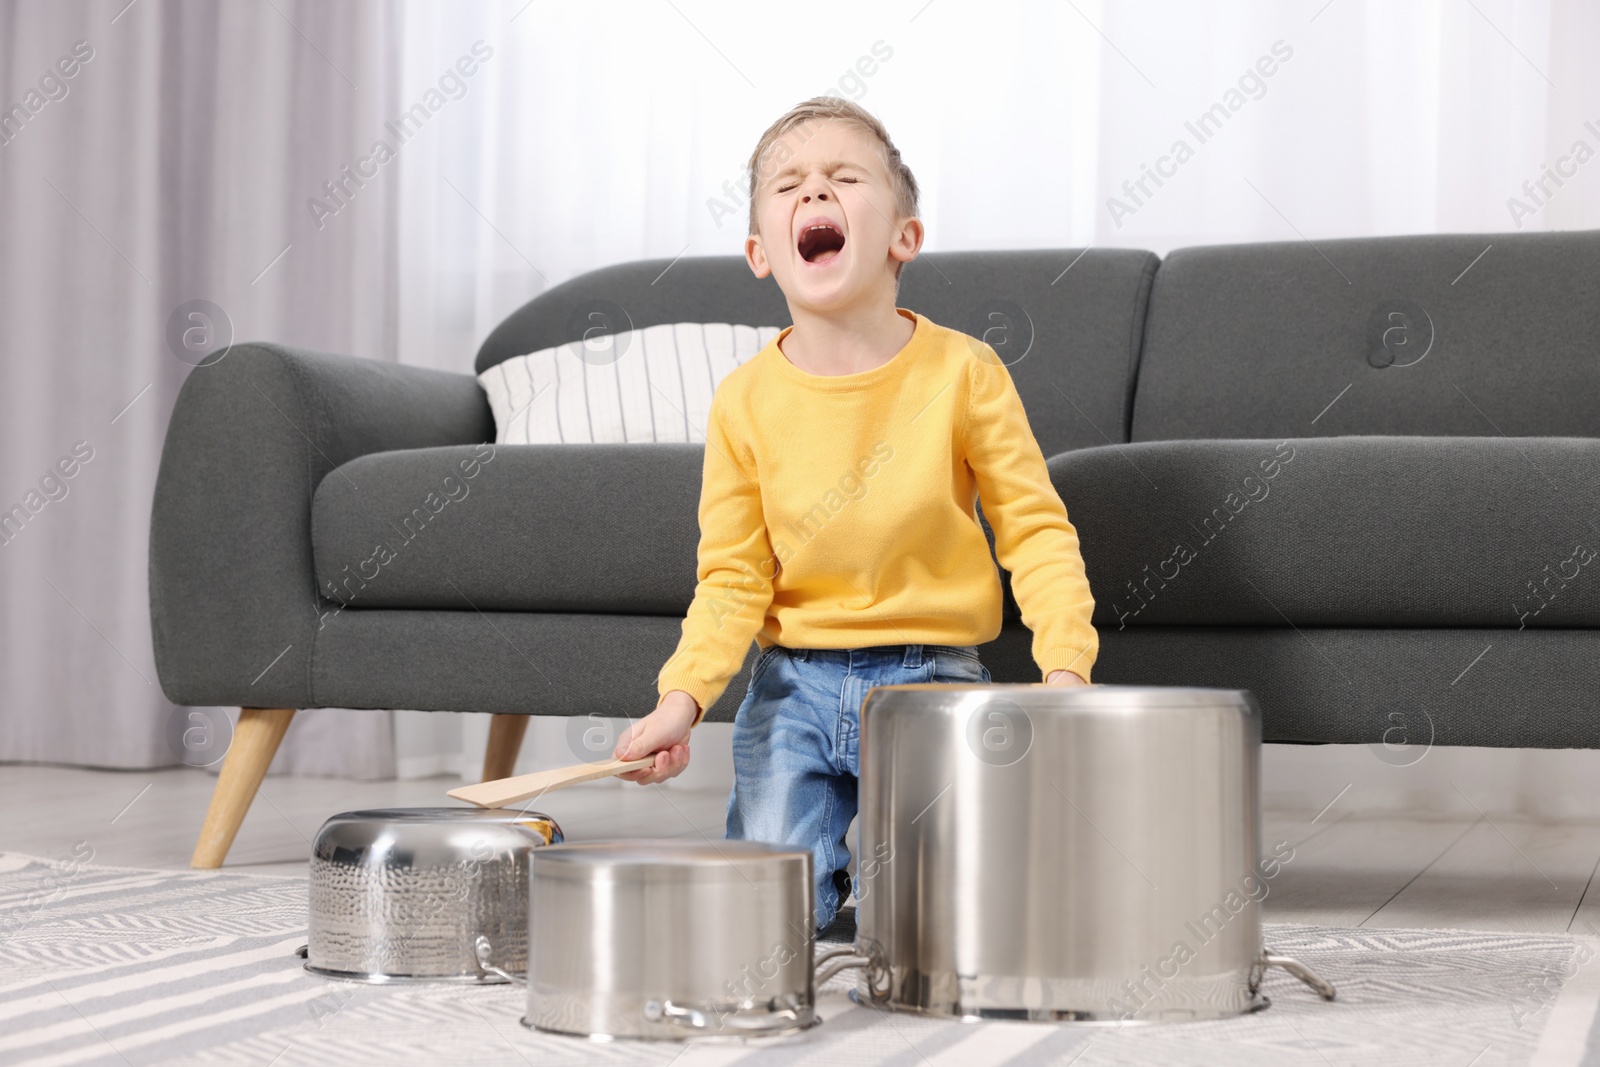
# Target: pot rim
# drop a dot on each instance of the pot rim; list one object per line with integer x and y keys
{"x": 658, "y": 860}
{"x": 1097, "y": 697}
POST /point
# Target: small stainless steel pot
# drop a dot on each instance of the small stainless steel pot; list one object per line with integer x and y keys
{"x": 673, "y": 940}
{"x": 1040, "y": 852}
{"x": 405, "y": 894}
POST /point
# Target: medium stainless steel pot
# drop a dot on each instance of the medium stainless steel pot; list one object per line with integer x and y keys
{"x": 1043, "y": 852}
{"x": 673, "y": 939}
{"x": 405, "y": 894}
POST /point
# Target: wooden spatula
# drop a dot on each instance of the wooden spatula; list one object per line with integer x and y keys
{"x": 504, "y": 791}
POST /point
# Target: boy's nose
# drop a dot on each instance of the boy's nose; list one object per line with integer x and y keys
{"x": 807, "y": 197}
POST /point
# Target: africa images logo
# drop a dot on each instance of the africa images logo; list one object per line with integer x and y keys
{"x": 1399, "y": 334}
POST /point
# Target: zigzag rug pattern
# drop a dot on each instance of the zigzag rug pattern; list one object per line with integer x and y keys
{"x": 104, "y": 965}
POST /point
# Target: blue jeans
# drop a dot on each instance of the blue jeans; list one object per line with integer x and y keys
{"x": 796, "y": 753}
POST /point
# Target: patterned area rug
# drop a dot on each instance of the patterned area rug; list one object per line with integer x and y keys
{"x": 105, "y": 965}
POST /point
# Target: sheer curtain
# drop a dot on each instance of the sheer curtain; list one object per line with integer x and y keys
{"x": 553, "y": 139}
{"x": 596, "y": 138}
{"x": 176, "y": 165}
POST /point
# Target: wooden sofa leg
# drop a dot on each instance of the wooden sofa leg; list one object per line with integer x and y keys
{"x": 505, "y": 743}
{"x": 255, "y": 741}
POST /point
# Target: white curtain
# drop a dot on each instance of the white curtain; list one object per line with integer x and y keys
{"x": 186, "y": 151}
{"x": 173, "y": 165}
{"x": 604, "y": 133}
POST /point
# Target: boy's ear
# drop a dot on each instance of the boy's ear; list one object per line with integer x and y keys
{"x": 756, "y": 256}
{"x": 907, "y": 240}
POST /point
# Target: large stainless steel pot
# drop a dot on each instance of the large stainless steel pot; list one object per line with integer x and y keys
{"x": 672, "y": 939}
{"x": 1040, "y": 852}
{"x": 405, "y": 894}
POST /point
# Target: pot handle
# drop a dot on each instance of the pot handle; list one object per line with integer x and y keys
{"x": 679, "y": 1015}
{"x": 481, "y": 949}
{"x": 845, "y": 957}
{"x": 659, "y": 1010}
{"x": 1323, "y": 987}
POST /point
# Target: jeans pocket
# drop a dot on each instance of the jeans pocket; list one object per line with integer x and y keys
{"x": 762, "y": 661}
{"x": 958, "y": 665}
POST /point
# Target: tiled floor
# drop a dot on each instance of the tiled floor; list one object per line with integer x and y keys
{"x": 1482, "y": 872}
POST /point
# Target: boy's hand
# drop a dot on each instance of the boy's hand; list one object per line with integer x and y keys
{"x": 1064, "y": 678}
{"x": 665, "y": 731}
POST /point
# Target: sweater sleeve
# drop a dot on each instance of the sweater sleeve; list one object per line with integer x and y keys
{"x": 1033, "y": 537}
{"x": 734, "y": 571}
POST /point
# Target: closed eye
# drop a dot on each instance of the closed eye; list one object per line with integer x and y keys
{"x": 786, "y": 188}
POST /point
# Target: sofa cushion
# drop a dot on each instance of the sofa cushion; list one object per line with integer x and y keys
{"x": 1067, "y": 322}
{"x": 603, "y": 528}
{"x": 583, "y": 528}
{"x": 1459, "y": 335}
{"x": 1358, "y": 531}
{"x": 1345, "y": 531}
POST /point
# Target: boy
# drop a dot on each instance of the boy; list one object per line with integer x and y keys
{"x": 837, "y": 522}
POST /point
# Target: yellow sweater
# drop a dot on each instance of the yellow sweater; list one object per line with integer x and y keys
{"x": 837, "y": 512}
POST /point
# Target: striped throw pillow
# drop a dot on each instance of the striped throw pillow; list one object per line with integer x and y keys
{"x": 653, "y": 384}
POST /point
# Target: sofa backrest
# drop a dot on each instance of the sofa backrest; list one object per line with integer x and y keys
{"x": 1070, "y": 337}
{"x": 1449, "y": 335}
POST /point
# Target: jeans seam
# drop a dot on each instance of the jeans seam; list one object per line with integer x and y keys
{"x": 827, "y": 842}
{"x": 838, "y": 722}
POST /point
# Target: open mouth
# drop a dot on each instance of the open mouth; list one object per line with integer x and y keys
{"x": 820, "y": 242}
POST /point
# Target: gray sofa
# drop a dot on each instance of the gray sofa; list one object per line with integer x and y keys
{"x": 1348, "y": 477}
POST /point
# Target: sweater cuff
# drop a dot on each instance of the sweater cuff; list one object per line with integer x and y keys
{"x": 1075, "y": 660}
{"x": 668, "y": 683}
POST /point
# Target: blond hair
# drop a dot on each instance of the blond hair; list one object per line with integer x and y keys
{"x": 819, "y": 108}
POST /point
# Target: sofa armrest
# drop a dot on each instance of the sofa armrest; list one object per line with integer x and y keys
{"x": 234, "y": 606}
